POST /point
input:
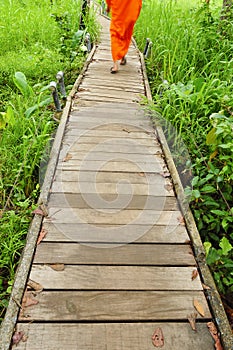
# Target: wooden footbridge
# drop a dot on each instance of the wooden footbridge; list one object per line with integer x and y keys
{"x": 118, "y": 264}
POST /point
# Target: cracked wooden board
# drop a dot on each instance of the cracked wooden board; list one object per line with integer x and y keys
{"x": 113, "y": 254}
{"x": 112, "y": 336}
{"x": 114, "y": 306}
{"x": 85, "y": 233}
{"x": 88, "y": 277}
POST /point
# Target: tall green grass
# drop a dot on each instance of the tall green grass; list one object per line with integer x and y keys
{"x": 190, "y": 71}
{"x": 38, "y": 39}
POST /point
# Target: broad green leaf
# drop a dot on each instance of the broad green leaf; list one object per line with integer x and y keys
{"x": 208, "y": 189}
{"x": 211, "y": 137}
{"x": 21, "y": 83}
{"x": 32, "y": 109}
{"x": 218, "y": 212}
{"x": 225, "y": 245}
{"x": 207, "y": 246}
{"x": 196, "y": 194}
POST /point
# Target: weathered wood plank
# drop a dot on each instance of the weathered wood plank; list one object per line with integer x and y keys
{"x": 107, "y": 119}
{"x": 99, "y": 98}
{"x": 102, "y": 177}
{"x": 120, "y": 79}
{"x": 112, "y": 133}
{"x": 103, "y": 94}
{"x": 96, "y": 155}
{"x": 107, "y": 254}
{"x": 135, "y": 233}
{"x": 98, "y": 140}
{"x": 116, "y": 107}
{"x": 110, "y": 125}
{"x": 109, "y": 201}
{"x": 114, "y": 217}
{"x": 106, "y": 190}
{"x": 112, "y": 336}
{"x": 112, "y": 166}
{"x": 117, "y": 306}
{"x": 87, "y": 277}
{"x": 102, "y": 84}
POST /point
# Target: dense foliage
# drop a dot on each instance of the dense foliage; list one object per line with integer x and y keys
{"x": 190, "y": 71}
{"x": 38, "y": 39}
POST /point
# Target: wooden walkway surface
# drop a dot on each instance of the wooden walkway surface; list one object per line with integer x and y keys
{"x": 116, "y": 264}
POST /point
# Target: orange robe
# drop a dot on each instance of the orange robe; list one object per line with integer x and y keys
{"x": 124, "y": 15}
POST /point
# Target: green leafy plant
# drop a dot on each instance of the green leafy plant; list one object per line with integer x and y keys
{"x": 221, "y": 264}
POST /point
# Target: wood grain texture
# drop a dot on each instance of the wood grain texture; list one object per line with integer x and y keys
{"x": 114, "y": 217}
{"x": 111, "y": 177}
{"x": 109, "y": 201}
{"x": 111, "y": 336}
{"x": 85, "y": 233}
{"x": 100, "y": 139}
{"x": 87, "y": 277}
{"x": 106, "y": 190}
{"x": 114, "y": 306}
{"x": 107, "y": 254}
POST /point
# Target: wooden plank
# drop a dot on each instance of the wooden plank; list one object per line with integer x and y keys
{"x": 112, "y": 336}
{"x": 109, "y": 147}
{"x": 88, "y": 86}
{"x": 112, "y": 166}
{"x": 111, "y": 254}
{"x": 110, "y": 125}
{"x": 91, "y": 81}
{"x": 114, "y": 217}
{"x": 109, "y": 201}
{"x": 99, "y": 98}
{"x": 114, "y": 306}
{"x": 103, "y": 94}
{"x": 121, "y": 78}
{"x": 101, "y": 177}
{"x": 112, "y": 133}
{"x": 97, "y": 140}
{"x": 130, "y": 68}
{"x": 106, "y": 190}
{"x": 135, "y": 233}
{"x": 116, "y": 107}
{"x": 87, "y": 277}
{"x": 98, "y": 155}
{"x": 104, "y": 117}
{"x": 119, "y": 91}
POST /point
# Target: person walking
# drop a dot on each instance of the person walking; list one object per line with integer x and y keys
{"x": 124, "y": 14}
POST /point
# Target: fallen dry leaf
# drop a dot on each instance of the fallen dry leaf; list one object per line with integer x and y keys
{"x": 17, "y": 337}
{"x": 158, "y": 338}
{"x": 205, "y": 286}
{"x": 194, "y": 274}
{"x": 67, "y": 157}
{"x": 168, "y": 187}
{"x": 57, "y": 267}
{"x": 141, "y": 174}
{"x": 192, "y": 320}
{"x": 35, "y": 286}
{"x": 213, "y": 331}
{"x": 42, "y": 235}
{"x": 38, "y": 211}
{"x": 181, "y": 220}
{"x": 28, "y": 300}
{"x": 199, "y": 307}
{"x": 165, "y": 174}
